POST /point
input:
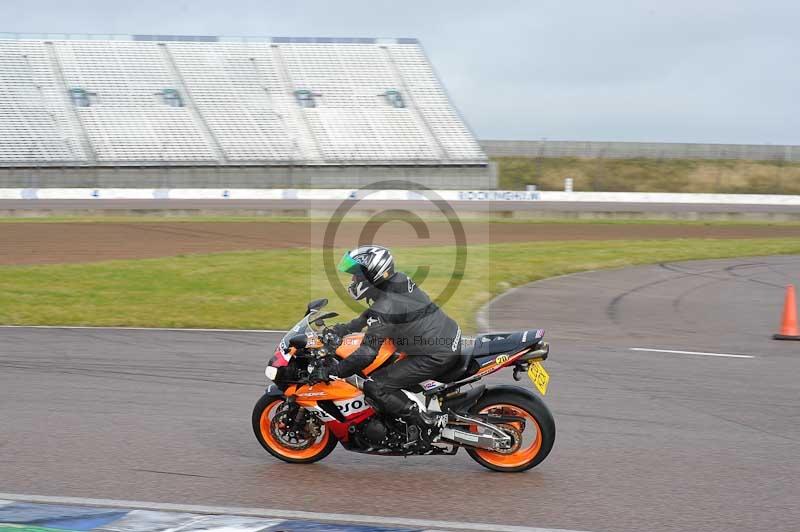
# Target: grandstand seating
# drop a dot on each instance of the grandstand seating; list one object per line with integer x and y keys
{"x": 433, "y": 103}
{"x": 158, "y": 100}
{"x": 34, "y": 118}
{"x": 235, "y": 88}
{"x": 129, "y": 121}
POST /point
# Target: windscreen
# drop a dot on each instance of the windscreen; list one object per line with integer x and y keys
{"x": 303, "y": 327}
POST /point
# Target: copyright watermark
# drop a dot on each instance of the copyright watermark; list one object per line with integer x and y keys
{"x": 388, "y": 202}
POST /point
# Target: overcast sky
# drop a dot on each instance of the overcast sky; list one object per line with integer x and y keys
{"x": 647, "y": 70}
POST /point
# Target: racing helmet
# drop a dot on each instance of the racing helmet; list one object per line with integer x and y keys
{"x": 369, "y": 266}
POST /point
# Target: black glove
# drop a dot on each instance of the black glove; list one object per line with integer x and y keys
{"x": 323, "y": 371}
{"x": 340, "y": 329}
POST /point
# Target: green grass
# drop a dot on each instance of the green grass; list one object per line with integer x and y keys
{"x": 651, "y": 175}
{"x": 269, "y": 289}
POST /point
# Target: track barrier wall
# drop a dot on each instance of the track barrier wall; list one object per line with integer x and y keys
{"x": 392, "y": 195}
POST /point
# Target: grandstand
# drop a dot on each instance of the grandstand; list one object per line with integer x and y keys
{"x": 170, "y": 111}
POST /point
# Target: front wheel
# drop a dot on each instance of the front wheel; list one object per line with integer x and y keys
{"x": 533, "y": 435}
{"x": 278, "y": 431}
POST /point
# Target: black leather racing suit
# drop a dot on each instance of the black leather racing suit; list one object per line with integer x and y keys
{"x": 431, "y": 340}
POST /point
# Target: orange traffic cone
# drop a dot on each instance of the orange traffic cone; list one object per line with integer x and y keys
{"x": 789, "y": 330}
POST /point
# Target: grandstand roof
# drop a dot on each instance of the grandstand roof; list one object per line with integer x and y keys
{"x": 203, "y": 100}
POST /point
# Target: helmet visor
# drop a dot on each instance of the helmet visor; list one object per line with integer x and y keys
{"x": 348, "y": 264}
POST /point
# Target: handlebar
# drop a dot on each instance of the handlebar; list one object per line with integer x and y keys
{"x": 330, "y": 338}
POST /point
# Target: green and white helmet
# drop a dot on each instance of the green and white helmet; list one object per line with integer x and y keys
{"x": 369, "y": 266}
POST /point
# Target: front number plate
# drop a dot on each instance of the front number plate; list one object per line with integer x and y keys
{"x": 539, "y": 377}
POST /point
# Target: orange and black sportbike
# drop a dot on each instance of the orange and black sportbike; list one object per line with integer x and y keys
{"x": 505, "y": 428}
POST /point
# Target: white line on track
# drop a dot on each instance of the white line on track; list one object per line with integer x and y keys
{"x": 699, "y": 353}
{"x": 286, "y": 514}
{"x": 155, "y": 329}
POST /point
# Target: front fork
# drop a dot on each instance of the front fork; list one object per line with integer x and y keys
{"x": 303, "y": 420}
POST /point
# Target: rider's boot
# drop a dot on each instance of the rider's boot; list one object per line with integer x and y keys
{"x": 429, "y": 424}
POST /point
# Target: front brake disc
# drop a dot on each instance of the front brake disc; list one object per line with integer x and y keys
{"x": 284, "y": 432}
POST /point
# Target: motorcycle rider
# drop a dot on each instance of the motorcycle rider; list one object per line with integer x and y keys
{"x": 403, "y": 312}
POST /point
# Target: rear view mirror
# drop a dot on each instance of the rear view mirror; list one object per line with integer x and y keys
{"x": 320, "y": 320}
{"x": 316, "y": 305}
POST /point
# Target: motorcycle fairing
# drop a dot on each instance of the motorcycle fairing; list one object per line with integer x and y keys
{"x": 339, "y": 414}
{"x": 346, "y": 398}
{"x": 333, "y": 391}
{"x": 351, "y": 342}
{"x": 338, "y": 396}
{"x": 341, "y": 430}
{"x": 494, "y": 363}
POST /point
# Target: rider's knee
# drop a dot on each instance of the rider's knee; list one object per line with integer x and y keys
{"x": 371, "y": 389}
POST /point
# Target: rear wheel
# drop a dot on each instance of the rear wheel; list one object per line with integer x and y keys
{"x": 533, "y": 435}
{"x": 278, "y": 432}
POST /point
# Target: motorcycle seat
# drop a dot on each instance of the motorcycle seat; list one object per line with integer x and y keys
{"x": 500, "y": 343}
{"x": 460, "y": 369}
{"x": 490, "y": 344}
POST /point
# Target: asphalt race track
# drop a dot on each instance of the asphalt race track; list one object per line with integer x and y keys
{"x": 647, "y": 440}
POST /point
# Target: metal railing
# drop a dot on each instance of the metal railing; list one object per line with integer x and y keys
{"x": 199, "y": 38}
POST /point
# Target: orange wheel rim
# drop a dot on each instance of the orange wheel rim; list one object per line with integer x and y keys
{"x": 279, "y": 447}
{"x": 525, "y": 453}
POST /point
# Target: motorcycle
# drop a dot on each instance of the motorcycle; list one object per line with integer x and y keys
{"x": 504, "y": 428}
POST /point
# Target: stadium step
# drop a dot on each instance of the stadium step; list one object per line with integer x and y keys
{"x": 183, "y": 88}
